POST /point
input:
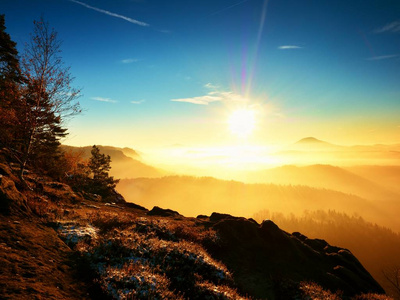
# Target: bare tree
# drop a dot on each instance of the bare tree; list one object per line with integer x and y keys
{"x": 49, "y": 98}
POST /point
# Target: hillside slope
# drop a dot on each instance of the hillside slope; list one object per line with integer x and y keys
{"x": 329, "y": 177}
{"x": 386, "y": 176}
{"x": 57, "y": 245}
{"x": 192, "y": 195}
{"x": 125, "y": 162}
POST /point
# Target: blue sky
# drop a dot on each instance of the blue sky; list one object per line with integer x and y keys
{"x": 158, "y": 73}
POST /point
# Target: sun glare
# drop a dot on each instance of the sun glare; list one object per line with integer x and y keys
{"x": 242, "y": 122}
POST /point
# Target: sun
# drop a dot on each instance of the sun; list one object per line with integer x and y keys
{"x": 242, "y": 122}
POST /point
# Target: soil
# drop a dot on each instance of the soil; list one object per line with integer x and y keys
{"x": 35, "y": 263}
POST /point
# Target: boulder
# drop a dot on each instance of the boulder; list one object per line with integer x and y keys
{"x": 57, "y": 191}
{"x": 266, "y": 260}
{"x": 135, "y": 206}
{"x": 11, "y": 200}
{"x": 158, "y": 211}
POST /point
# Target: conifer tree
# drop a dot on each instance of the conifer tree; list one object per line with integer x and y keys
{"x": 99, "y": 165}
{"x": 41, "y": 131}
{"x": 10, "y": 81}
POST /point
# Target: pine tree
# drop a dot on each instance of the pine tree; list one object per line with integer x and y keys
{"x": 99, "y": 165}
{"x": 9, "y": 62}
{"x": 10, "y": 92}
{"x": 41, "y": 131}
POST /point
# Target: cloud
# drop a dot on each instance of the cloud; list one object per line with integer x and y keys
{"x": 232, "y": 97}
{"x": 210, "y": 86}
{"x": 101, "y": 99}
{"x": 202, "y": 100}
{"x": 130, "y": 20}
{"x": 138, "y": 102}
{"x": 393, "y": 27}
{"x": 129, "y": 60}
{"x": 287, "y": 47}
{"x": 383, "y": 57}
{"x": 213, "y": 96}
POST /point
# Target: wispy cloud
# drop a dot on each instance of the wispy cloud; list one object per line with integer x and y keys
{"x": 138, "y": 102}
{"x": 101, "y": 99}
{"x": 382, "y": 57}
{"x": 213, "y": 96}
{"x": 393, "y": 27}
{"x": 103, "y": 11}
{"x": 210, "y": 86}
{"x": 129, "y": 60}
{"x": 288, "y": 47}
{"x": 202, "y": 100}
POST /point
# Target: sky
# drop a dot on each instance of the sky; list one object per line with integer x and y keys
{"x": 158, "y": 73}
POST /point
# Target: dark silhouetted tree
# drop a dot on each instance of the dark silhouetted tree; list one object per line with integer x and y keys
{"x": 10, "y": 90}
{"x": 99, "y": 166}
{"x": 42, "y": 130}
{"x": 9, "y": 62}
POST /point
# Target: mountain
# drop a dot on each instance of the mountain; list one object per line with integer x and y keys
{"x": 313, "y": 144}
{"x": 125, "y": 162}
{"x": 68, "y": 247}
{"x": 130, "y": 152}
{"x": 329, "y": 177}
{"x": 311, "y": 150}
{"x": 311, "y": 141}
{"x": 194, "y": 195}
{"x": 386, "y": 176}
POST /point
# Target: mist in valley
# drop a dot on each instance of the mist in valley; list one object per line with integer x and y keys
{"x": 350, "y": 205}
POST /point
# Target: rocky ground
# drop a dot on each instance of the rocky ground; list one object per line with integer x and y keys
{"x": 58, "y": 244}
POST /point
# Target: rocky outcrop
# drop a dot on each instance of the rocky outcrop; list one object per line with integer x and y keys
{"x": 269, "y": 263}
{"x": 265, "y": 261}
{"x": 158, "y": 211}
{"x": 135, "y": 206}
{"x": 11, "y": 200}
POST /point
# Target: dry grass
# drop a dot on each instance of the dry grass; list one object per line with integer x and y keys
{"x": 119, "y": 253}
{"x": 140, "y": 257}
{"x": 313, "y": 291}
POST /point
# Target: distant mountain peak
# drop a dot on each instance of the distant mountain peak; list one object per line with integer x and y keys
{"x": 309, "y": 140}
